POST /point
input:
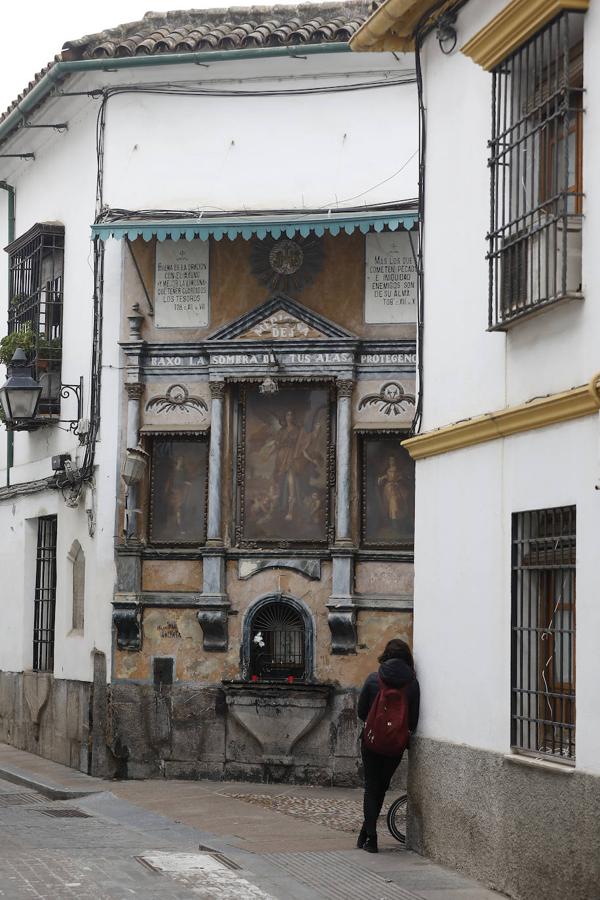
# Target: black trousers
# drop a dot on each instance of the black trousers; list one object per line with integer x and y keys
{"x": 378, "y": 771}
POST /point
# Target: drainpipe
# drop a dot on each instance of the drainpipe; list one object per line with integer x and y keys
{"x": 11, "y": 236}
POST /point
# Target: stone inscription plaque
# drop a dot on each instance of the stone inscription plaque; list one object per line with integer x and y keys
{"x": 181, "y": 284}
{"x": 390, "y": 279}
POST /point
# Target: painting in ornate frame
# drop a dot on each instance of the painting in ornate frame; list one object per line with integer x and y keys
{"x": 284, "y": 465}
{"x": 178, "y": 489}
{"x": 387, "y": 492}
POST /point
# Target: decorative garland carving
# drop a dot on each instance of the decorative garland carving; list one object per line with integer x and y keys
{"x": 177, "y": 398}
{"x": 390, "y": 400}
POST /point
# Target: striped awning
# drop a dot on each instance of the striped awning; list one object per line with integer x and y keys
{"x": 259, "y": 226}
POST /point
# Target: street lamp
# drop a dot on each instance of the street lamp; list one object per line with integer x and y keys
{"x": 20, "y": 394}
{"x": 134, "y": 465}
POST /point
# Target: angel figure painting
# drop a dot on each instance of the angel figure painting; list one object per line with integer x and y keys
{"x": 388, "y": 493}
{"x": 286, "y": 448}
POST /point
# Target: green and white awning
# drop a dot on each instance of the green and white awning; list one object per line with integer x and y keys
{"x": 259, "y": 226}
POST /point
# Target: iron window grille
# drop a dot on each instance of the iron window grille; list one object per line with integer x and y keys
{"x": 535, "y": 162}
{"x": 36, "y": 305}
{"x": 277, "y": 642}
{"x": 543, "y": 632}
{"x": 45, "y": 595}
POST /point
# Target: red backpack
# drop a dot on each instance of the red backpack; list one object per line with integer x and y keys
{"x": 386, "y": 728}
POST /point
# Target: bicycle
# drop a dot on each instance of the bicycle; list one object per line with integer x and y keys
{"x": 396, "y": 819}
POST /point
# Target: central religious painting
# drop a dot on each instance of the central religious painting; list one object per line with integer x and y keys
{"x": 283, "y": 466}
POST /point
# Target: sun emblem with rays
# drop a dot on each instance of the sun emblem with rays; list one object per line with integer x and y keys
{"x": 286, "y": 265}
{"x": 392, "y": 399}
{"x": 177, "y": 398}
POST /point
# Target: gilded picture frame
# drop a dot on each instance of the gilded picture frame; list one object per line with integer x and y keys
{"x": 387, "y": 493}
{"x": 285, "y": 466}
{"x": 178, "y": 490}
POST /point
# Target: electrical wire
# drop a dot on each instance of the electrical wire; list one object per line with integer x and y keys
{"x": 279, "y": 92}
{"x": 424, "y": 26}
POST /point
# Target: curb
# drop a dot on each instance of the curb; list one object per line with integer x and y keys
{"x": 48, "y": 789}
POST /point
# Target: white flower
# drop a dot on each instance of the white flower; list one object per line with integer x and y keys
{"x": 258, "y": 639}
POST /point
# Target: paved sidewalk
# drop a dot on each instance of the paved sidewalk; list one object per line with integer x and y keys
{"x": 185, "y": 839}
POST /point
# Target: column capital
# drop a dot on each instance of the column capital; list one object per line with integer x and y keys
{"x": 344, "y": 387}
{"x": 135, "y": 390}
{"x": 217, "y": 389}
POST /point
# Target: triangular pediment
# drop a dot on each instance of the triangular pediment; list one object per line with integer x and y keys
{"x": 281, "y": 319}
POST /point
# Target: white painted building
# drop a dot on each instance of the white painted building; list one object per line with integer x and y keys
{"x": 258, "y": 120}
{"x": 505, "y": 776}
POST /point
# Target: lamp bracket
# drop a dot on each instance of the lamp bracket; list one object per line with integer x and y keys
{"x": 77, "y": 391}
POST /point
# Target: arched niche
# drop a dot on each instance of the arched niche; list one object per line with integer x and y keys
{"x": 76, "y": 557}
{"x": 278, "y": 639}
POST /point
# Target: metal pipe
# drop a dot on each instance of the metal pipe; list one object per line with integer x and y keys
{"x": 10, "y": 438}
{"x": 61, "y": 70}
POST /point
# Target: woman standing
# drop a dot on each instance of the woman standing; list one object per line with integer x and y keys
{"x": 396, "y": 670}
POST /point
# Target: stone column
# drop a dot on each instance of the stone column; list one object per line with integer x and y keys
{"x": 135, "y": 391}
{"x": 215, "y": 464}
{"x": 213, "y": 613}
{"x": 344, "y": 439}
{"x": 341, "y": 611}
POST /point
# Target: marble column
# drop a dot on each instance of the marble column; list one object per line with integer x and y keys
{"x": 343, "y": 450}
{"x": 214, "y": 610}
{"x": 341, "y": 611}
{"x": 135, "y": 391}
{"x": 215, "y": 464}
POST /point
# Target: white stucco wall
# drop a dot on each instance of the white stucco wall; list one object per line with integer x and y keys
{"x": 462, "y": 579}
{"x": 550, "y": 353}
{"x": 214, "y": 153}
{"x": 464, "y": 499}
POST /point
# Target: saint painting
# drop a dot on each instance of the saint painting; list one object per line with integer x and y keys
{"x": 388, "y": 493}
{"x": 286, "y": 448}
{"x": 178, "y": 496}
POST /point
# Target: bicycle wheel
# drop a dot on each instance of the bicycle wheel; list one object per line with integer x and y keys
{"x": 396, "y": 819}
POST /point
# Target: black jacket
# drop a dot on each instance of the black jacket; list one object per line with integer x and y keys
{"x": 394, "y": 673}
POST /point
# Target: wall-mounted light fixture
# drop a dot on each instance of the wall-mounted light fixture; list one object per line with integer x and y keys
{"x": 20, "y": 396}
{"x": 445, "y": 32}
{"x": 268, "y": 385}
{"x": 20, "y": 393}
{"x": 134, "y": 465}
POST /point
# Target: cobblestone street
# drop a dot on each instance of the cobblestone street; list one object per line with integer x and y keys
{"x": 338, "y": 814}
{"x": 69, "y": 837}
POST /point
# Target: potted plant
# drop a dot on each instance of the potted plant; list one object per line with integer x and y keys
{"x": 25, "y": 339}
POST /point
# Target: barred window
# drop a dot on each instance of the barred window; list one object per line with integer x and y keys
{"x": 536, "y": 173}
{"x": 277, "y": 641}
{"x": 543, "y": 632}
{"x": 36, "y": 303}
{"x": 45, "y": 595}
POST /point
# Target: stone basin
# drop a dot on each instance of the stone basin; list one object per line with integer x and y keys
{"x": 277, "y": 714}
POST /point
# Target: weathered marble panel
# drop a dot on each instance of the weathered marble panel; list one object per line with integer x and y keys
{"x": 172, "y": 575}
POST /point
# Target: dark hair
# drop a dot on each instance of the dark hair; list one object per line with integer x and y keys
{"x": 397, "y": 649}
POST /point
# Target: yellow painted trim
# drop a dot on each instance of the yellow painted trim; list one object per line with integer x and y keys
{"x": 511, "y": 28}
{"x": 538, "y": 413}
{"x": 391, "y": 26}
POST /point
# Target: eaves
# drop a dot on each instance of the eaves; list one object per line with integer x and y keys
{"x": 59, "y": 71}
